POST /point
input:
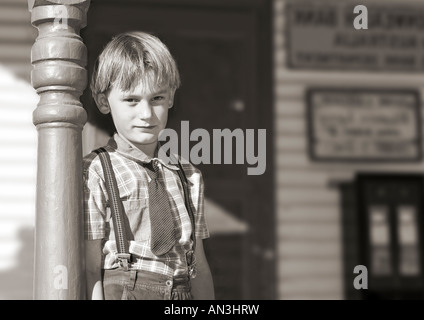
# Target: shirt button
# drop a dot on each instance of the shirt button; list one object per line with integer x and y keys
{"x": 155, "y": 165}
{"x": 169, "y": 283}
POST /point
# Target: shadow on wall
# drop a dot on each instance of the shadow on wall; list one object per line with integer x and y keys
{"x": 18, "y": 162}
{"x": 17, "y": 282}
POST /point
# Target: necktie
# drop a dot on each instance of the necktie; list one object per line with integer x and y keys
{"x": 161, "y": 220}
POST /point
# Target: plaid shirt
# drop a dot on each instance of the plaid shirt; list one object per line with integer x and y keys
{"x": 132, "y": 180}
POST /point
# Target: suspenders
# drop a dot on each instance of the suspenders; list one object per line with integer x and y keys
{"x": 191, "y": 258}
{"x": 118, "y": 212}
{"x": 116, "y": 208}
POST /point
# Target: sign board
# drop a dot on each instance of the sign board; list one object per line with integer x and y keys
{"x": 364, "y": 125}
{"x": 321, "y": 35}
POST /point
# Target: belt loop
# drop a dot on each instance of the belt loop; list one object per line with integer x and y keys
{"x": 133, "y": 279}
{"x": 168, "y": 290}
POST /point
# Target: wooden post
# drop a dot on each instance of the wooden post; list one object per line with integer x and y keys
{"x": 59, "y": 76}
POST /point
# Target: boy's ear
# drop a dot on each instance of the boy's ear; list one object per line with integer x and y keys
{"x": 171, "y": 100}
{"x": 102, "y": 103}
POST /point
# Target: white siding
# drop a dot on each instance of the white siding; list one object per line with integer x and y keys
{"x": 18, "y": 145}
{"x": 307, "y": 205}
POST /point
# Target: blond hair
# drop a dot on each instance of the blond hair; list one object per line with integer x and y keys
{"x": 134, "y": 58}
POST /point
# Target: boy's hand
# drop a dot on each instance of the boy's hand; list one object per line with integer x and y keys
{"x": 202, "y": 287}
{"x": 93, "y": 259}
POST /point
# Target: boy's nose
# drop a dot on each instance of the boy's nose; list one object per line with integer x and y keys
{"x": 144, "y": 110}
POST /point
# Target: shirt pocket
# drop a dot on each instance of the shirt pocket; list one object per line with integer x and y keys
{"x": 138, "y": 219}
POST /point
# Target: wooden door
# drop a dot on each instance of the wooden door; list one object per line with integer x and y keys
{"x": 391, "y": 228}
{"x": 219, "y": 47}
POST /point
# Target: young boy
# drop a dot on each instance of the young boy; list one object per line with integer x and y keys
{"x": 135, "y": 80}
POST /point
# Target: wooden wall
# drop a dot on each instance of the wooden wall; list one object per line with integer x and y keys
{"x": 309, "y": 232}
{"x": 17, "y": 36}
{"x": 18, "y": 145}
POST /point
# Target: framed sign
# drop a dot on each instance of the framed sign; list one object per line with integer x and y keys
{"x": 321, "y": 36}
{"x": 364, "y": 125}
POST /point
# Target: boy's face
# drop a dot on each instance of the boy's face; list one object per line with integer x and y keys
{"x": 139, "y": 115}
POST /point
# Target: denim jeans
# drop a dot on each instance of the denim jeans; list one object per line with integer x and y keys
{"x": 119, "y": 284}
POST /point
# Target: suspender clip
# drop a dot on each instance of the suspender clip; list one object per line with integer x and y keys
{"x": 191, "y": 264}
{"x": 123, "y": 260}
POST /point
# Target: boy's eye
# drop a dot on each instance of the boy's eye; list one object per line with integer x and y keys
{"x": 158, "y": 98}
{"x": 130, "y": 100}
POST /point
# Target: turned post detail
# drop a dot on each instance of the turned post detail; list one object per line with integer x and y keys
{"x": 59, "y": 58}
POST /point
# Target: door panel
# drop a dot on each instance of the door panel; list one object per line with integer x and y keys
{"x": 390, "y": 220}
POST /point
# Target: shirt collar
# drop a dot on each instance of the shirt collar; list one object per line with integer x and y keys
{"x": 130, "y": 151}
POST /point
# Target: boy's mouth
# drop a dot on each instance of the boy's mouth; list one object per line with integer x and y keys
{"x": 145, "y": 127}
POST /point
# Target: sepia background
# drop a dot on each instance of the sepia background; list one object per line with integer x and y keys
{"x": 342, "y": 108}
